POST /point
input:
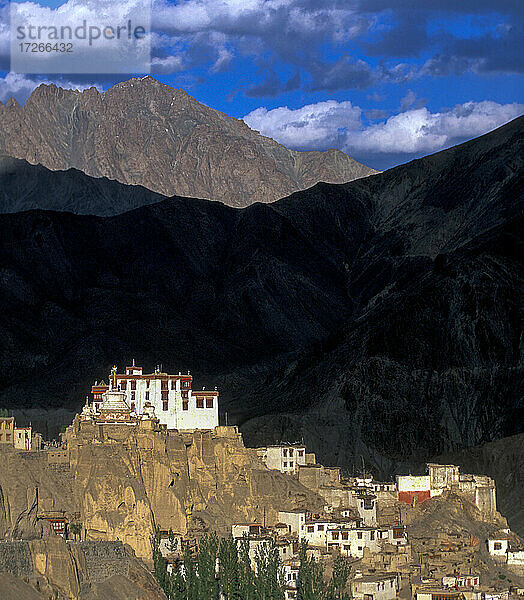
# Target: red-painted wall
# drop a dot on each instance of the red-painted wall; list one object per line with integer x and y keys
{"x": 408, "y": 496}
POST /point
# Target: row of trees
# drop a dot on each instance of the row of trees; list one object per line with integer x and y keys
{"x": 221, "y": 569}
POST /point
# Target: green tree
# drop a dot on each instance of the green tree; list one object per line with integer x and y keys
{"x": 75, "y": 529}
{"x": 310, "y": 581}
{"x": 246, "y": 575}
{"x": 159, "y": 563}
{"x": 269, "y": 579}
{"x": 339, "y": 579}
{"x": 208, "y": 587}
{"x": 229, "y": 569}
{"x": 190, "y": 576}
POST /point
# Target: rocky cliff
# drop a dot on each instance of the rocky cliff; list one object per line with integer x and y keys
{"x": 121, "y": 481}
{"x": 145, "y": 133}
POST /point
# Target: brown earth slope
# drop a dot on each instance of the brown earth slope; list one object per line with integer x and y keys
{"x": 146, "y": 133}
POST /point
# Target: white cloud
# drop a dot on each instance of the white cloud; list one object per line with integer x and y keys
{"x": 313, "y": 126}
{"x": 414, "y": 131}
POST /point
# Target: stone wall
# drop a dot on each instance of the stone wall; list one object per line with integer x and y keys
{"x": 102, "y": 560}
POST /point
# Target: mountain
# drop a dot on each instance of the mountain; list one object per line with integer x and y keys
{"x": 28, "y": 187}
{"x": 380, "y": 320}
{"x": 142, "y": 132}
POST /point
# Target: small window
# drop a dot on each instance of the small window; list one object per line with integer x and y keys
{"x": 285, "y": 465}
{"x": 147, "y": 395}
{"x": 173, "y": 384}
{"x": 184, "y": 394}
{"x": 359, "y": 535}
{"x": 311, "y": 529}
{"x": 291, "y": 464}
{"x": 334, "y": 535}
{"x": 200, "y": 402}
{"x": 185, "y": 405}
{"x": 291, "y": 452}
{"x": 163, "y": 385}
{"x": 209, "y": 402}
{"x": 301, "y": 452}
{"x": 345, "y": 535}
{"x": 497, "y": 546}
{"x": 284, "y": 452}
{"x": 132, "y": 395}
{"x": 164, "y": 394}
{"x": 132, "y": 407}
{"x": 320, "y": 527}
{"x": 165, "y": 405}
{"x": 123, "y": 384}
{"x": 147, "y": 382}
{"x": 133, "y": 384}
{"x": 372, "y": 534}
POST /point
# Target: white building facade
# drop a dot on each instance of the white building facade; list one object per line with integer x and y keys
{"x": 175, "y": 403}
{"x": 283, "y": 458}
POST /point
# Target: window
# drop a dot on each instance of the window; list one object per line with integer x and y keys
{"x": 185, "y": 405}
{"x": 186, "y": 383}
{"x": 200, "y": 402}
{"x": 334, "y": 535}
{"x": 345, "y": 535}
{"x": 209, "y": 402}
{"x": 284, "y": 452}
{"x": 173, "y": 384}
{"x": 147, "y": 382}
{"x": 291, "y": 464}
{"x": 165, "y": 394}
{"x": 310, "y": 529}
{"x": 301, "y": 452}
{"x": 359, "y": 535}
{"x": 347, "y": 547}
{"x": 291, "y": 452}
{"x": 320, "y": 527}
{"x": 165, "y": 405}
{"x": 133, "y": 384}
{"x": 184, "y": 394}
{"x": 147, "y": 395}
{"x": 285, "y": 465}
{"x": 372, "y": 535}
{"x": 123, "y": 384}
{"x": 497, "y": 546}
{"x": 132, "y": 407}
{"x": 163, "y": 385}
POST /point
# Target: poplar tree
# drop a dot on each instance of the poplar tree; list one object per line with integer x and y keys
{"x": 310, "y": 581}
{"x": 229, "y": 569}
{"x": 208, "y": 588}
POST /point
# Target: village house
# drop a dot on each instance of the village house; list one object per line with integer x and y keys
{"x": 353, "y": 542}
{"x": 20, "y": 438}
{"x": 240, "y": 530}
{"x": 375, "y": 587}
{"x": 290, "y": 570}
{"x": 168, "y": 398}
{"x": 498, "y": 545}
{"x": 461, "y": 581}
{"x": 286, "y": 458}
{"x": 294, "y": 519}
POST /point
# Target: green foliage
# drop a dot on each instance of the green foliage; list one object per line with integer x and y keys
{"x": 223, "y": 569}
{"x": 4, "y": 412}
{"x": 339, "y": 580}
{"x": 75, "y": 529}
{"x": 310, "y": 583}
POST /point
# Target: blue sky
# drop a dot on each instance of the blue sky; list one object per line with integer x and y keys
{"x": 385, "y": 81}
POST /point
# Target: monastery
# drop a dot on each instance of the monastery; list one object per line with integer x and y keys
{"x": 133, "y": 395}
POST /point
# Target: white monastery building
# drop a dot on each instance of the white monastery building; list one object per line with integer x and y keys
{"x": 169, "y": 398}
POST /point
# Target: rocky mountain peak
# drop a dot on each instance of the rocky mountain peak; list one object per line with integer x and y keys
{"x": 143, "y": 132}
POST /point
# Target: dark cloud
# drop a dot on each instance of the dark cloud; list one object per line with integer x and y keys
{"x": 272, "y": 86}
{"x": 346, "y": 73}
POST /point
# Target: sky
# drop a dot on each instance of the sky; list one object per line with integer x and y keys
{"x": 384, "y": 80}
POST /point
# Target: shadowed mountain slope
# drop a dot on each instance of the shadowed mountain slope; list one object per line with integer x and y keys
{"x": 28, "y": 187}
{"x": 380, "y": 318}
{"x": 146, "y": 133}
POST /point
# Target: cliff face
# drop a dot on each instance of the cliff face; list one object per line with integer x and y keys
{"x": 120, "y": 481}
{"x": 145, "y": 133}
{"x": 132, "y": 478}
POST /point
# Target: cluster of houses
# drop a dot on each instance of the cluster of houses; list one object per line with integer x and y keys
{"x": 20, "y": 438}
